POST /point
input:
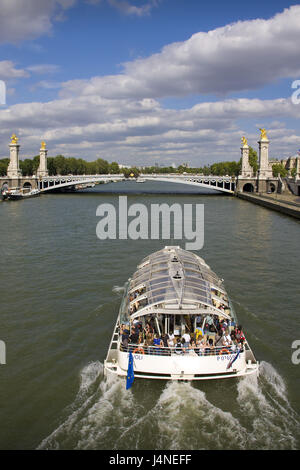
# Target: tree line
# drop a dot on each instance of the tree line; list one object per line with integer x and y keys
{"x": 61, "y": 165}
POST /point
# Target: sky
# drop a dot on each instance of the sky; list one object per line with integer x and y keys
{"x": 149, "y": 81}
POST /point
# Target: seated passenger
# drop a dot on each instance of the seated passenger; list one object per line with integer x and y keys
{"x": 184, "y": 345}
{"x": 186, "y": 337}
{"x": 239, "y": 335}
{"x": 134, "y": 337}
{"x": 224, "y": 325}
{"x": 178, "y": 349}
{"x": 226, "y": 339}
{"x": 124, "y": 331}
{"x": 210, "y": 347}
{"x": 201, "y": 344}
{"x": 171, "y": 341}
{"x": 157, "y": 341}
{"x": 149, "y": 336}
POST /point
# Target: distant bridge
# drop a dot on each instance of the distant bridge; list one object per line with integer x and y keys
{"x": 225, "y": 184}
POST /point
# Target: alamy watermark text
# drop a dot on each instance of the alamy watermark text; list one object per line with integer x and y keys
{"x": 178, "y": 221}
{"x": 2, "y": 352}
{"x": 2, "y": 92}
{"x": 296, "y": 94}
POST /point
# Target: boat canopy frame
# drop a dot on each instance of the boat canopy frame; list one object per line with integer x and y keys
{"x": 174, "y": 277}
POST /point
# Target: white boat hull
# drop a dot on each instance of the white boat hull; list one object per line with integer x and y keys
{"x": 187, "y": 366}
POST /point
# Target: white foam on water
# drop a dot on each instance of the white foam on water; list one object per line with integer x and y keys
{"x": 118, "y": 289}
{"x": 111, "y": 414}
{"x": 187, "y": 420}
{"x": 88, "y": 377}
{"x": 271, "y": 421}
{"x": 104, "y": 415}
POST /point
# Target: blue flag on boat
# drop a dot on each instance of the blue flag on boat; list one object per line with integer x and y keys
{"x": 130, "y": 371}
{"x": 233, "y": 359}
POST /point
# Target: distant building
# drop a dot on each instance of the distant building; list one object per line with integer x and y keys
{"x": 124, "y": 166}
{"x": 291, "y": 163}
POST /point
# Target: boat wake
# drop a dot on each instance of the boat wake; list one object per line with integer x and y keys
{"x": 104, "y": 415}
{"x": 118, "y": 290}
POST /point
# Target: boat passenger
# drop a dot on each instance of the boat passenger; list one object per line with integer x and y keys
{"x": 149, "y": 336}
{"x": 124, "y": 331}
{"x": 134, "y": 337}
{"x": 171, "y": 341}
{"x": 165, "y": 344}
{"x": 224, "y": 325}
{"x": 184, "y": 345}
{"x": 157, "y": 342}
{"x": 226, "y": 339}
{"x": 201, "y": 344}
{"x": 186, "y": 340}
{"x": 209, "y": 350}
{"x": 239, "y": 335}
{"x": 178, "y": 348}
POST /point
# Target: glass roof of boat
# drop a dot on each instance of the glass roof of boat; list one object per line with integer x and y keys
{"x": 175, "y": 276}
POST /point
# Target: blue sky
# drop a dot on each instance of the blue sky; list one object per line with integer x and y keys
{"x": 123, "y": 80}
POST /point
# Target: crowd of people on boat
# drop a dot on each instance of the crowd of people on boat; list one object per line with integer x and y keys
{"x": 201, "y": 342}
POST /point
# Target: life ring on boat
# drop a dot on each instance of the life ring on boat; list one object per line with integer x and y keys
{"x": 224, "y": 351}
{"x": 139, "y": 351}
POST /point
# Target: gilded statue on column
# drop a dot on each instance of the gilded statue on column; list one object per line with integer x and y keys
{"x": 244, "y": 141}
{"x": 14, "y": 139}
{"x": 43, "y": 145}
{"x": 263, "y": 134}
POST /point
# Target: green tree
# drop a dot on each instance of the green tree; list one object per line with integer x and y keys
{"x": 3, "y": 166}
{"x": 114, "y": 168}
{"x": 278, "y": 169}
{"x": 26, "y": 166}
{"x": 253, "y": 160}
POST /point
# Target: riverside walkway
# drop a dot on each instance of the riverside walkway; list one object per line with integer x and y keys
{"x": 286, "y": 204}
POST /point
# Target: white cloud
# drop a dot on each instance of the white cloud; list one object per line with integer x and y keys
{"x": 241, "y": 56}
{"x": 28, "y": 19}
{"x": 139, "y": 131}
{"x": 129, "y": 8}
{"x": 119, "y": 118}
{"x": 9, "y": 71}
{"x": 43, "y": 69}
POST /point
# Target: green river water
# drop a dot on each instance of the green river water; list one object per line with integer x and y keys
{"x": 60, "y": 290}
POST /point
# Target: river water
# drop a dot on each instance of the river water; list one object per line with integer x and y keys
{"x": 60, "y": 292}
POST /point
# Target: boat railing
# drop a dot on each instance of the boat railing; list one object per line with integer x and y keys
{"x": 170, "y": 351}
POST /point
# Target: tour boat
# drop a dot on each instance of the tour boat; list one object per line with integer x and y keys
{"x": 14, "y": 194}
{"x": 176, "y": 297}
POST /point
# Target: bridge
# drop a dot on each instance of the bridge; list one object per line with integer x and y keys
{"x": 247, "y": 181}
{"x": 224, "y": 184}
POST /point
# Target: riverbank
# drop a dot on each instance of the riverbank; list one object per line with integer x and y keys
{"x": 278, "y": 203}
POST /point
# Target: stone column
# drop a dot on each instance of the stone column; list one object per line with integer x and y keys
{"x": 42, "y": 169}
{"x": 246, "y": 167}
{"x": 297, "y": 177}
{"x": 13, "y": 170}
{"x": 263, "y": 170}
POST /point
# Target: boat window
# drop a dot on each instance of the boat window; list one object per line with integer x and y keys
{"x": 162, "y": 298}
{"x": 159, "y": 280}
{"x": 160, "y": 273}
